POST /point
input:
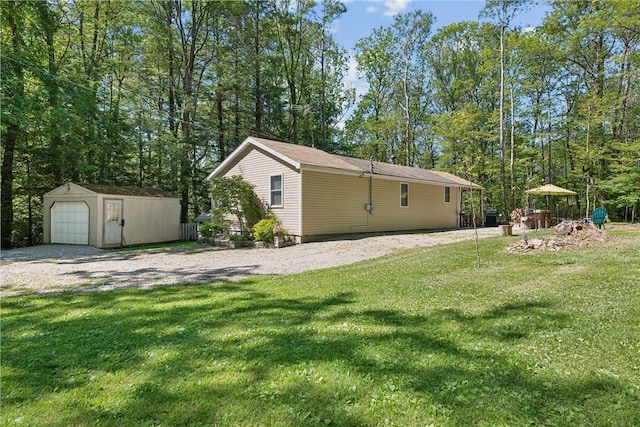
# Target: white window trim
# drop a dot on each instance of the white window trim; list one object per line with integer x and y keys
{"x": 401, "y": 184}
{"x": 445, "y": 194}
{"x": 281, "y": 191}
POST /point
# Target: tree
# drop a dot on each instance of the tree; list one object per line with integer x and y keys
{"x": 235, "y": 196}
{"x": 159, "y": 93}
{"x": 13, "y": 94}
{"x": 395, "y": 107}
{"x": 503, "y": 11}
{"x": 188, "y": 23}
{"x": 374, "y": 58}
{"x": 331, "y": 10}
{"x": 294, "y": 47}
{"x": 594, "y": 40}
{"x": 463, "y": 80}
{"x": 411, "y": 33}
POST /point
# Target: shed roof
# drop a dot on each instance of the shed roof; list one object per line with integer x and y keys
{"x": 128, "y": 191}
{"x": 111, "y": 190}
{"x": 303, "y": 157}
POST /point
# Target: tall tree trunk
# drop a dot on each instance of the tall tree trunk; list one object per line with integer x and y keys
{"x": 222, "y": 150}
{"x": 13, "y": 133}
{"x": 185, "y": 165}
{"x": 11, "y": 137}
{"x": 549, "y": 145}
{"x": 323, "y": 91}
{"x": 290, "y": 38}
{"x": 257, "y": 73}
{"x": 512, "y": 158}
{"x": 53, "y": 90}
{"x": 408, "y": 143}
{"x": 193, "y": 38}
{"x": 503, "y": 194}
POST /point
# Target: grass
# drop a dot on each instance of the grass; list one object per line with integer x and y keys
{"x": 421, "y": 337}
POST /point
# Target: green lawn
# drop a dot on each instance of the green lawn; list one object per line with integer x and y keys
{"x": 421, "y": 337}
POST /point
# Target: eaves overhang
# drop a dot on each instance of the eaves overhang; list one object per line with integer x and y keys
{"x": 249, "y": 144}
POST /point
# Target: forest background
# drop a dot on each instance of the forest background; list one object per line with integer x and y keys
{"x": 157, "y": 93}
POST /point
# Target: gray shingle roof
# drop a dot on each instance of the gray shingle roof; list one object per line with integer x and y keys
{"x": 300, "y": 156}
{"x": 309, "y": 156}
{"x": 398, "y": 171}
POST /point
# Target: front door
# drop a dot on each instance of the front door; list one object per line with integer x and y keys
{"x": 112, "y": 222}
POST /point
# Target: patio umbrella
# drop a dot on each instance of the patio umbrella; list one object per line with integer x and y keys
{"x": 550, "y": 190}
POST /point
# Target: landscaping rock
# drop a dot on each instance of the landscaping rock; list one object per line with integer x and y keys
{"x": 568, "y": 235}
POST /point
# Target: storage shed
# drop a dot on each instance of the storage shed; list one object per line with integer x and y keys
{"x": 108, "y": 216}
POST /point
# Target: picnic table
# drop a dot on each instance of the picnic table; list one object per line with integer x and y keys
{"x": 537, "y": 218}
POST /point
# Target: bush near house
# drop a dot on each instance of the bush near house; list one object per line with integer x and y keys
{"x": 268, "y": 228}
{"x": 234, "y": 196}
{"x": 213, "y": 228}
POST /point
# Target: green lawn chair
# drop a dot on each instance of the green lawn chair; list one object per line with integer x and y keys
{"x": 598, "y": 216}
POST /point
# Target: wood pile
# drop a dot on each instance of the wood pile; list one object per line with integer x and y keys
{"x": 516, "y": 215}
{"x": 568, "y": 235}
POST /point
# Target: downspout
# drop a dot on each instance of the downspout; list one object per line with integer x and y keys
{"x": 300, "y": 206}
{"x": 370, "y": 193}
{"x": 370, "y": 186}
{"x": 459, "y": 197}
{"x": 368, "y": 206}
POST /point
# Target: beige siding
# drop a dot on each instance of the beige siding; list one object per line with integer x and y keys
{"x": 149, "y": 220}
{"x": 74, "y": 193}
{"x": 334, "y": 203}
{"x": 257, "y": 167}
{"x": 426, "y": 210}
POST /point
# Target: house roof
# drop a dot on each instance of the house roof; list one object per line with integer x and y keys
{"x": 463, "y": 182}
{"x": 303, "y": 157}
{"x": 399, "y": 171}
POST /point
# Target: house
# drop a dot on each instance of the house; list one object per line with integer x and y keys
{"x": 316, "y": 194}
{"x": 107, "y": 217}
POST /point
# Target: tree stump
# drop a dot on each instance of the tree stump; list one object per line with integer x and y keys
{"x": 505, "y": 230}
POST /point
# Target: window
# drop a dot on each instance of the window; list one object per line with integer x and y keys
{"x": 113, "y": 213}
{"x": 404, "y": 195}
{"x": 447, "y": 194}
{"x": 276, "y": 190}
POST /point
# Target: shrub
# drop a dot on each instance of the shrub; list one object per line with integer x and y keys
{"x": 240, "y": 237}
{"x": 235, "y": 196}
{"x": 267, "y": 228}
{"x": 206, "y": 229}
{"x": 214, "y": 228}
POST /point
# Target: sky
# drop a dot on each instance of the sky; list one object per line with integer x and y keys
{"x": 363, "y": 16}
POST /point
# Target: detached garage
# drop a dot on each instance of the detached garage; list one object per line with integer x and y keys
{"x": 108, "y": 217}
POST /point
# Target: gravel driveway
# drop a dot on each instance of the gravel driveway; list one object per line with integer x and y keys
{"x": 56, "y": 268}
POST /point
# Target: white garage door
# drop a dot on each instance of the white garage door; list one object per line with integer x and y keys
{"x": 70, "y": 223}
